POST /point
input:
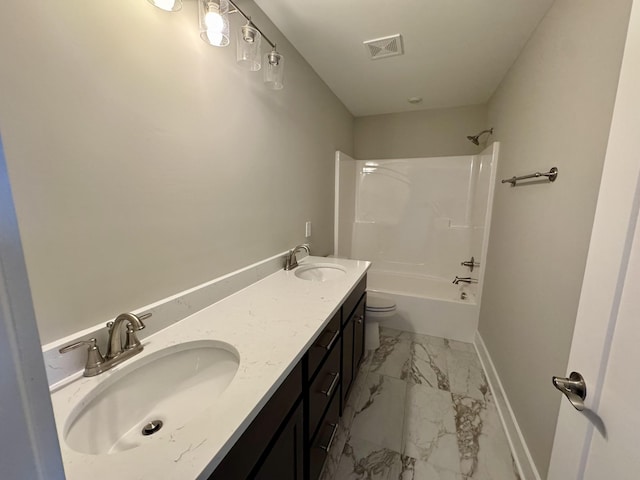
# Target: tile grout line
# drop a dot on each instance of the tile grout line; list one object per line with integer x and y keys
{"x": 354, "y": 401}
{"x": 367, "y": 371}
{"x": 404, "y": 420}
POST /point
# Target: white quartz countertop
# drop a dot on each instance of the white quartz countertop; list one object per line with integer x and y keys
{"x": 271, "y": 324}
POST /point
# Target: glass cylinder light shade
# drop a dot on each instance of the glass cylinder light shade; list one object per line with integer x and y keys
{"x": 214, "y": 22}
{"x": 167, "y": 5}
{"x": 273, "y": 70}
{"x": 248, "y": 51}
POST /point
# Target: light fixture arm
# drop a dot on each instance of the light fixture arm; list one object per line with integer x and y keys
{"x": 248, "y": 19}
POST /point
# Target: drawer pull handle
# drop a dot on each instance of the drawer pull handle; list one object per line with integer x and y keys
{"x": 334, "y": 383}
{"x": 331, "y": 342}
{"x": 360, "y": 318}
{"x": 327, "y": 447}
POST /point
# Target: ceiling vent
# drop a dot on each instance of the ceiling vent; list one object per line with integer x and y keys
{"x": 384, "y": 47}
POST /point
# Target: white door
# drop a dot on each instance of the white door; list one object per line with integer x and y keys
{"x": 602, "y": 441}
{"x": 29, "y": 442}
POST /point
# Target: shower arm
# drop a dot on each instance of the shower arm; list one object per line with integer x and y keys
{"x": 475, "y": 139}
{"x": 485, "y": 131}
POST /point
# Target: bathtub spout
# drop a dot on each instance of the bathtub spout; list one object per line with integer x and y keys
{"x": 468, "y": 280}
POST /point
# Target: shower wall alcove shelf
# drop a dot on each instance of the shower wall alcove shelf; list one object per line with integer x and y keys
{"x": 551, "y": 175}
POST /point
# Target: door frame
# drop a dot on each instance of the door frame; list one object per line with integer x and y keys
{"x": 30, "y": 447}
{"x": 611, "y": 240}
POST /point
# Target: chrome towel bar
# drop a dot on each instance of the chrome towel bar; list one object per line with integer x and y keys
{"x": 551, "y": 174}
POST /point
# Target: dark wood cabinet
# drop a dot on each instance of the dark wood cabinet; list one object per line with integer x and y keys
{"x": 353, "y": 299}
{"x": 321, "y": 390}
{"x": 352, "y": 348}
{"x": 291, "y": 436}
{"x": 347, "y": 359}
{"x": 255, "y": 444}
{"x": 285, "y": 458}
{"x": 358, "y": 333}
{"x": 321, "y": 443}
{"x": 328, "y": 338}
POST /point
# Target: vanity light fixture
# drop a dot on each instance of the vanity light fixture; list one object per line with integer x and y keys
{"x": 214, "y": 22}
{"x": 248, "y": 47}
{"x": 274, "y": 70}
{"x": 213, "y": 19}
{"x": 167, "y": 5}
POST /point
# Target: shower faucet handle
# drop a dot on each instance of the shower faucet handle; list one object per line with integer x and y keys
{"x": 471, "y": 264}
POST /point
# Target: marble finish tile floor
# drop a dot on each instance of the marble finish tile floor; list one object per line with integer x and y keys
{"x": 420, "y": 409}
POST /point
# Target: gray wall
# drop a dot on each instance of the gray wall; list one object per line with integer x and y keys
{"x": 144, "y": 161}
{"x": 424, "y": 133}
{"x": 553, "y": 109}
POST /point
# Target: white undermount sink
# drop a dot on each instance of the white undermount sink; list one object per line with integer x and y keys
{"x": 320, "y": 272}
{"x": 171, "y": 386}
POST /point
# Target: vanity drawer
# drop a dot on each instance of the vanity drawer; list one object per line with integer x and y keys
{"x": 323, "y": 387}
{"x": 321, "y": 445}
{"x": 350, "y": 303}
{"x": 323, "y": 344}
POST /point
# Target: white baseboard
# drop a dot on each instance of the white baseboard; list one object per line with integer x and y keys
{"x": 519, "y": 449}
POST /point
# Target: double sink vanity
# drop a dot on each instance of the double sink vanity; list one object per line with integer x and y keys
{"x": 251, "y": 386}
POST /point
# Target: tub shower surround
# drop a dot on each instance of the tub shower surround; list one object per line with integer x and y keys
{"x": 417, "y": 220}
{"x": 427, "y": 305}
{"x": 421, "y": 409}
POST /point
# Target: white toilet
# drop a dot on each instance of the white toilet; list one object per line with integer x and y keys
{"x": 379, "y": 308}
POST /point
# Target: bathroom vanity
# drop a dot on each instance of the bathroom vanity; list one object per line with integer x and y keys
{"x": 292, "y": 434}
{"x": 250, "y": 387}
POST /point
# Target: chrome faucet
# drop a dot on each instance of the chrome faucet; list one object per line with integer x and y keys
{"x": 468, "y": 280}
{"x": 116, "y": 351}
{"x": 292, "y": 261}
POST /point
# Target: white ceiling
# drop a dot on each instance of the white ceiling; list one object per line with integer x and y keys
{"x": 456, "y": 51}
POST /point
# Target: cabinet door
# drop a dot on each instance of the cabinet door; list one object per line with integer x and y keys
{"x": 285, "y": 459}
{"x": 358, "y": 340}
{"x": 351, "y": 302}
{"x": 246, "y": 454}
{"x": 347, "y": 361}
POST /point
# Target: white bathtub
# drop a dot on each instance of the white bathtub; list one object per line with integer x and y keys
{"x": 427, "y": 305}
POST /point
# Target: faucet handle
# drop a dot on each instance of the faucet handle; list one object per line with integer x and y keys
{"x": 132, "y": 340}
{"x": 91, "y": 343}
{"x": 94, "y": 357}
{"x": 471, "y": 264}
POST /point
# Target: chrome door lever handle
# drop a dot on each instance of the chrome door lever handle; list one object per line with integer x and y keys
{"x": 574, "y": 388}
